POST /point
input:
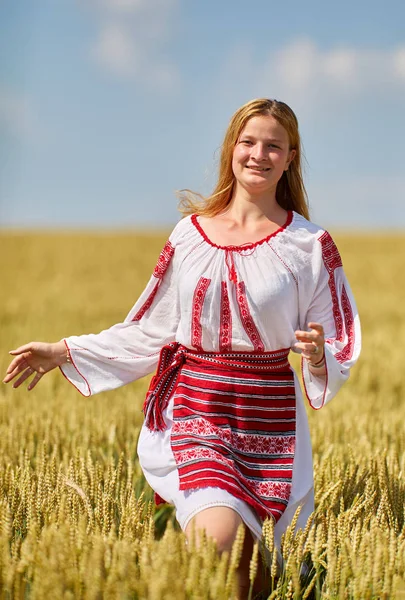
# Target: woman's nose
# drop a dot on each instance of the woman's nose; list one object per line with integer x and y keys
{"x": 258, "y": 152}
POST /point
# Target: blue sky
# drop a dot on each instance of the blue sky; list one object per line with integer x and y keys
{"x": 108, "y": 106}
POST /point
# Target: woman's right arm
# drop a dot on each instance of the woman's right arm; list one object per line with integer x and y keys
{"x": 129, "y": 350}
{"x": 123, "y": 353}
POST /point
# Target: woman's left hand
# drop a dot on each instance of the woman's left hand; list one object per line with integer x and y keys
{"x": 311, "y": 343}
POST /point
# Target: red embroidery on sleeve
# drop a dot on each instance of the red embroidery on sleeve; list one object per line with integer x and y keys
{"x": 146, "y": 305}
{"x": 330, "y": 253}
{"x": 198, "y": 301}
{"x": 225, "y": 327}
{"x": 247, "y": 319}
{"x": 163, "y": 263}
{"x": 344, "y": 323}
{"x": 164, "y": 260}
{"x": 332, "y": 260}
{"x": 347, "y": 352}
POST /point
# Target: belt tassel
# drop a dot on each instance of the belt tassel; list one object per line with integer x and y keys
{"x": 161, "y": 387}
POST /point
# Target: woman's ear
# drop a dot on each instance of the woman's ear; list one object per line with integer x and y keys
{"x": 290, "y": 159}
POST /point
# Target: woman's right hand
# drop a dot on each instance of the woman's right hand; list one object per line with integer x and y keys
{"x": 35, "y": 357}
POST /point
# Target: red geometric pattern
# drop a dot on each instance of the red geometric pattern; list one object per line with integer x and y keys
{"x": 263, "y": 488}
{"x": 347, "y": 352}
{"x": 277, "y": 489}
{"x": 146, "y": 305}
{"x": 240, "y": 441}
{"x": 342, "y": 311}
{"x": 164, "y": 260}
{"x": 330, "y": 253}
{"x": 198, "y": 302}
{"x": 234, "y": 428}
{"x": 162, "y": 265}
{"x": 225, "y": 326}
{"x": 247, "y": 320}
{"x": 337, "y": 315}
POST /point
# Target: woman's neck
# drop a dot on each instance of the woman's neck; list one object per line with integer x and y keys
{"x": 245, "y": 208}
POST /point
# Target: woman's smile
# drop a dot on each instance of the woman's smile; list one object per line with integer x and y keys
{"x": 258, "y": 169}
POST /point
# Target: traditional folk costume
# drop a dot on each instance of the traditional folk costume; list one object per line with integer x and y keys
{"x": 225, "y": 422}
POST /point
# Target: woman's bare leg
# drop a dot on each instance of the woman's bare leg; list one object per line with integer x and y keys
{"x": 221, "y": 523}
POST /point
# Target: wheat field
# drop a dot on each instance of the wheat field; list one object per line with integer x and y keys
{"x": 76, "y": 516}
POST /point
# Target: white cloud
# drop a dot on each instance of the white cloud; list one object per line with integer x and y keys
{"x": 340, "y": 65}
{"x": 311, "y": 78}
{"x": 303, "y": 67}
{"x": 17, "y": 116}
{"x": 399, "y": 63}
{"x": 116, "y": 50}
{"x": 294, "y": 64}
{"x": 132, "y": 39}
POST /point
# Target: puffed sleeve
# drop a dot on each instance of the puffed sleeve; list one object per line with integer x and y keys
{"x": 328, "y": 300}
{"x": 129, "y": 350}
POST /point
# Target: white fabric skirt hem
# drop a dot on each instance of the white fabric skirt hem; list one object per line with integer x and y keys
{"x": 190, "y": 503}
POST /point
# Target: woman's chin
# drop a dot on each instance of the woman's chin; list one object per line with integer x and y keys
{"x": 257, "y": 187}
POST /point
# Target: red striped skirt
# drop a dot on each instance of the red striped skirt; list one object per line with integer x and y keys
{"x": 233, "y": 422}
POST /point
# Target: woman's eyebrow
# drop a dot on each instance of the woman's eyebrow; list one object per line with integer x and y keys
{"x": 268, "y": 140}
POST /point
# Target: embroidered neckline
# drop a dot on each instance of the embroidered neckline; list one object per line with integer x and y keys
{"x": 241, "y": 247}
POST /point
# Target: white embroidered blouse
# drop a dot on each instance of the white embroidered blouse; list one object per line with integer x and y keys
{"x": 233, "y": 298}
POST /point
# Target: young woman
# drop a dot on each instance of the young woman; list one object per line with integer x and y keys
{"x": 244, "y": 278}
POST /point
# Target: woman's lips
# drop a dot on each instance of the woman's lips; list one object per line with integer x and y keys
{"x": 258, "y": 169}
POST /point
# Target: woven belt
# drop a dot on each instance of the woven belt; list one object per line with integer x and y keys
{"x": 174, "y": 355}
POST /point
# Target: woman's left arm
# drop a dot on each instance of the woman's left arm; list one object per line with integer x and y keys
{"x": 330, "y": 304}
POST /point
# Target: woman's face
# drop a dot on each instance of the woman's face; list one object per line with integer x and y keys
{"x": 261, "y": 155}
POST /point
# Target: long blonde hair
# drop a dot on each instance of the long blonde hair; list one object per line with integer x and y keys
{"x": 290, "y": 192}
